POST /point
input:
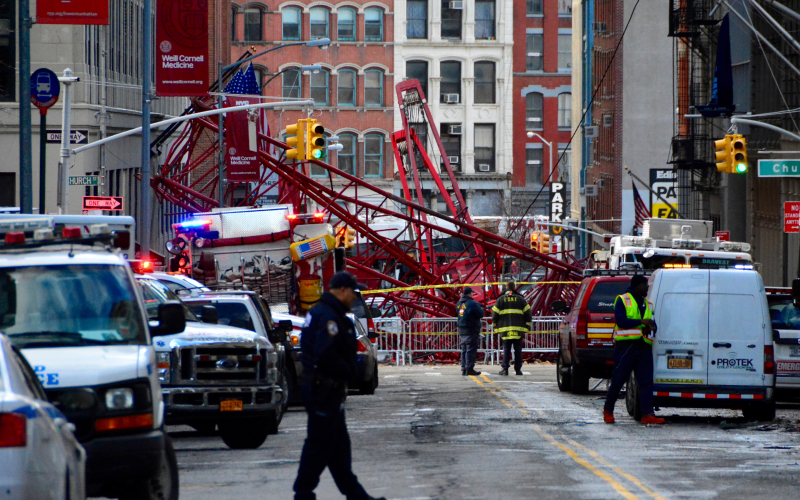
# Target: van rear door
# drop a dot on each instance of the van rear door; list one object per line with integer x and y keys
{"x": 737, "y": 326}
{"x": 680, "y": 349}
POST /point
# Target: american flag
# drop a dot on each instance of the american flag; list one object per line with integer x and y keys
{"x": 244, "y": 83}
{"x": 313, "y": 248}
{"x": 642, "y": 212}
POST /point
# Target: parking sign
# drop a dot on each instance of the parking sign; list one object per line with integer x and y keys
{"x": 791, "y": 217}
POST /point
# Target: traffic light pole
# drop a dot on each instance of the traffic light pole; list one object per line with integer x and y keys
{"x": 744, "y": 121}
{"x": 25, "y": 155}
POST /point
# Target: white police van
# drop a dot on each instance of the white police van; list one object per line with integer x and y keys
{"x": 713, "y": 347}
{"x": 71, "y": 305}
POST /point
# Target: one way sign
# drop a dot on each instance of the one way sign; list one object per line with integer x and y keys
{"x": 102, "y": 203}
{"x": 75, "y": 137}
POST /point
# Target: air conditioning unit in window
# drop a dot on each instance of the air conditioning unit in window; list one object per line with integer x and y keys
{"x": 453, "y": 159}
{"x": 484, "y": 167}
{"x": 450, "y": 98}
{"x": 455, "y": 129}
{"x": 457, "y": 5}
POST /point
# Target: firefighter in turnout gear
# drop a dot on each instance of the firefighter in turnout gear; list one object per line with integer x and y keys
{"x": 511, "y": 317}
{"x": 634, "y": 331}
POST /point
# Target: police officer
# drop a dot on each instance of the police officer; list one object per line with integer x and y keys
{"x": 633, "y": 339}
{"x": 469, "y": 314}
{"x": 511, "y": 317}
{"x": 328, "y": 344}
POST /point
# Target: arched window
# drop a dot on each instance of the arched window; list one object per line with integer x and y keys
{"x": 373, "y": 24}
{"x": 565, "y": 110}
{"x": 450, "y": 71}
{"x": 319, "y": 88}
{"x": 373, "y": 88}
{"x": 292, "y": 83}
{"x": 252, "y": 25}
{"x": 346, "y": 22}
{"x": 346, "y": 94}
{"x": 319, "y": 23}
{"x": 373, "y": 155}
{"x": 484, "y": 82}
{"x": 233, "y": 24}
{"x": 347, "y": 156}
{"x": 291, "y": 23}
{"x": 533, "y": 111}
{"x": 259, "y": 71}
{"x": 418, "y": 70}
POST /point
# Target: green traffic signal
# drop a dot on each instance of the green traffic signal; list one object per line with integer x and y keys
{"x": 741, "y": 168}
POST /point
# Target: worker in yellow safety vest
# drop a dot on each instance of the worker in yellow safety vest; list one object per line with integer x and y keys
{"x": 634, "y": 330}
{"x": 511, "y": 319}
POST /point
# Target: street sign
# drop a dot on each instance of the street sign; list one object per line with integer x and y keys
{"x": 83, "y": 180}
{"x": 75, "y": 137}
{"x": 779, "y": 168}
{"x": 791, "y": 217}
{"x": 723, "y": 235}
{"x": 557, "y": 192}
{"x": 44, "y": 89}
{"x": 102, "y": 203}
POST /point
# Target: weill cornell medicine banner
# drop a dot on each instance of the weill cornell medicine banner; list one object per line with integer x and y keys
{"x": 72, "y": 12}
{"x": 182, "y": 48}
{"x": 243, "y": 164}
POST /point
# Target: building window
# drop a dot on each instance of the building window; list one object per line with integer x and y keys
{"x": 564, "y": 7}
{"x": 233, "y": 25}
{"x": 373, "y": 155}
{"x": 418, "y": 70}
{"x": 484, "y": 82}
{"x": 451, "y": 82}
{"x": 346, "y": 22}
{"x": 346, "y": 94}
{"x": 373, "y": 24}
{"x": 416, "y": 19}
{"x": 451, "y": 140}
{"x": 534, "y": 52}
{"x": 373, "y": 88}
{"x": 347, "y": 156}
{"x": 484, "y": 148}
{"x": 259, "y": 77}
{"x": 451, "y": 21}
{"x": 534, "y": 7}
{"x": 564, "y": 52}
{"x": 533, "y": 166}
{"x": 252, "y": 25}
{"x": 565, "y": 165}
{"x": 319, "y": 88}
{"x": 291, "y": 23}
{"x": 319, "y": 23}
{"x": 534, "y": 117}
{"x": 8, "y": 60}
{"x": 484, "y": 20}
{"x": 565, "y": 110}
{"x": 291, "y": 84}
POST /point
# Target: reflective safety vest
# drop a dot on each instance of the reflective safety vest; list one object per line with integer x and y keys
{"x": 511, "y": 316}
{"x": 632, "y": 312}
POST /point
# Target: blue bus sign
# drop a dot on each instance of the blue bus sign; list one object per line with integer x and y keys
{"x": 44, "y": 89}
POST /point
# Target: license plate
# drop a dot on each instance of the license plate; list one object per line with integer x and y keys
{"x": 680, "y": 362}
{"x": 230, "y": 405}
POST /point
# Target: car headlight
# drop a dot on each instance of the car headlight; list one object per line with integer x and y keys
{"x": 119, "y": 399}
{"x": 163, "y": 360}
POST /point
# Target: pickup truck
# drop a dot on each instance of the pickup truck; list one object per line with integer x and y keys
{"x": 215, "y": 375}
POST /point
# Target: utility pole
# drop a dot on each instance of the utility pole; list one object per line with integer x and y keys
{"x": 147, "y": 75}
{"x": 25, "y": 156}
{"x": 66, "y": 124}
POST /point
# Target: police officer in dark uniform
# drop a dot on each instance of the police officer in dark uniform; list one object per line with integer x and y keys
{"x": 328, "y": 356}
{"x": 469, "y": 330}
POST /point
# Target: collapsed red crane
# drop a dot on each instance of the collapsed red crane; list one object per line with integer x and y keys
{"x": 408, "y": 258}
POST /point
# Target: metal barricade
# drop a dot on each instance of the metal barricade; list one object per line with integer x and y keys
{"x": 543, "y": 336}
{"x": 391, "y": 339}
{"x": 434, "y": 336}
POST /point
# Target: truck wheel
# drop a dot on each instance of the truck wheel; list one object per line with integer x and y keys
{"x": 246, "y": 434}
{"x": 579, "y": 380}
{"x": 761, "y": 413}
{"x": 632, "y": 403}
{"x": 368, "y": 387}
{"x": 563, "y": 374}
{"x": 204, "y": 427}
{"x": 164, "y": 483}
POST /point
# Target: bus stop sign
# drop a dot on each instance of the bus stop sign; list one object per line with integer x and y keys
{"x": 44, "y": 89}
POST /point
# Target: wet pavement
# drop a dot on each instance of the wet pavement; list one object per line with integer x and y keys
{"x": 429, "y": 433}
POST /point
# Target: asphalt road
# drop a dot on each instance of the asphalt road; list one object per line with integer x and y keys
{"x": 429, "y": 433}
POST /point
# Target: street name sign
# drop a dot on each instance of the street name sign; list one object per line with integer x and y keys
{"x": 83, "y": 180}
{"x": 791, "y": 217}
{"x": 75, "y": 137}
{"x": 102, "y": 203}
{"x": 779, "y": 168}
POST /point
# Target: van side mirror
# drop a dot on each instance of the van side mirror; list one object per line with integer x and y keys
{"x": 171, "y": 319}
{"x": 209, "y": 314}
{"x": 375, "y": 312}
{"x": 559, "y": 306}
{"x": 286, "y": 325}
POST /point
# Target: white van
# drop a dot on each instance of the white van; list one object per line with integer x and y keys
{"x": 713, "y": 347}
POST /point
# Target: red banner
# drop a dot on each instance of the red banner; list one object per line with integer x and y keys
{"x": 182, "y": 48}
{"x": 83, "y": 12}
{"x": 243, "y": 164}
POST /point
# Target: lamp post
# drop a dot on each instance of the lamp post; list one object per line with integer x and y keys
{"x": 321, "y": 42}
{"x": 549, "y": 148}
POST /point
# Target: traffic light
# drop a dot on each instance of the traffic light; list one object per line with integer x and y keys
{"x": 722, "y": 153}
{"x": 535, "y": 240}
{"x": 315, "y": 140}
{"x": 738, "y": 154}
{"x": 349, "y": 237}
{"x": 544, "y": 243}
{"x": 298, "y": 142}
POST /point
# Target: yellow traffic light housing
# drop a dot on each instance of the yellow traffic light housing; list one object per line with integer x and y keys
{"x": 535, "y": 240}
{"x": 298, "y": 142}
{"x": 315, "y": 140}
{"x": 738, "y": 154}
{"x": 722, "y": 153}
{"x": 349, "y": 237}
{"x": 544, "y": 243}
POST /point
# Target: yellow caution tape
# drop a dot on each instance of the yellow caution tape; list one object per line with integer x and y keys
{"x": 461, "y": 285}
